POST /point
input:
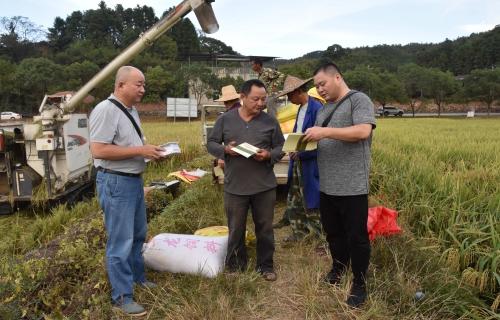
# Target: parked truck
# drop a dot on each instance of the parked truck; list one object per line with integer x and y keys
{"x": 49, "y": 158}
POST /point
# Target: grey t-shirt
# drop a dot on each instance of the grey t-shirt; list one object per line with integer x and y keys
{"x": 247, "y": 176}
{"x": 344, "y": 167}
{"x": 109, "y": 125}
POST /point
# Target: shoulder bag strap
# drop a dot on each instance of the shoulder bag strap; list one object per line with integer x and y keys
{"x": 122, "y": 108}
{"x": 327, "y": 120}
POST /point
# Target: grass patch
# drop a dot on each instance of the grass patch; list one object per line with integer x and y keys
{"x": 26, "y": 230}
{"x": 432, "y": 171}
{"x": 191, "y": 211}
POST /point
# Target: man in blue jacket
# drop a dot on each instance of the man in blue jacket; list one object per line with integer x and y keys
{"x": 303, "y": 175}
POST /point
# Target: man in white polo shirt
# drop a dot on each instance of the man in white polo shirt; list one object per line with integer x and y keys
{"x": 117, "y": 145}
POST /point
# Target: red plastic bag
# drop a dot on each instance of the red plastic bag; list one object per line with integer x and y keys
{"x": 382, "y": 221}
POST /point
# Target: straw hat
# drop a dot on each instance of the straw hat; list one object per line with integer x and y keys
{"x": 314, "y": 93}
{"x": 228, "y": 93}
{"x": 292, "y": 83}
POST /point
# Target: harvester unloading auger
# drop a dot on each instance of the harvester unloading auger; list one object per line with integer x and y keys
{"x": 49, "y": 160}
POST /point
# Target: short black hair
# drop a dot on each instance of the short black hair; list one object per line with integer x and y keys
{"x": 328, "y": 68}
{"x": 257, "y": 61}
{"x": 247, "y": 86}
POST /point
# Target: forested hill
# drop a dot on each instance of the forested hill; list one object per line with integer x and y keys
{"x": 460, "y": 56}
{"x": 113, "y": 29}
{"x": 34, "y": 62}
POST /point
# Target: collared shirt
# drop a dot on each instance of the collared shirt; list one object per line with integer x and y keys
{"x": 109, "y": 125}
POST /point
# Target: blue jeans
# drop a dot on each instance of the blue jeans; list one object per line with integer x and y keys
{"x": 122, "y": 200}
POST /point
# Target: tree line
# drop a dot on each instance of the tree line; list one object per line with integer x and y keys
{"x": 461, "y": 56}
{"x": 34, "y": 62}
{"x": 460, "y": 71}
{"x": 413, "y": 85}
{"x": 418, "y": 86}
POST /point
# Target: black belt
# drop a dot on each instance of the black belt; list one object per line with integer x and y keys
{"x": 132, "y": 175}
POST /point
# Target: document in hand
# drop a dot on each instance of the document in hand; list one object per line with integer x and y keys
{"x": 218, "y": 171}
{"x": 170, "y": 148}
{"x": 245, "y": 149}
{"x": 293, "y": 142}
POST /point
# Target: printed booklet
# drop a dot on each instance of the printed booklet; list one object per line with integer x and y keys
{"x": 170, "y": 148}
{"x": 293, "y": 142}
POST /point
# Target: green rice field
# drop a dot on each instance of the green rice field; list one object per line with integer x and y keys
{"x": 441, "y": 175}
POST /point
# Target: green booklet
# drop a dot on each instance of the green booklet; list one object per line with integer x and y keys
{"x": 293, "y": 142}
{"x": 245, "y": 149}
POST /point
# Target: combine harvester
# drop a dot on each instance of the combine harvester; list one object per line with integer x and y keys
{"x": 49, "y": 159}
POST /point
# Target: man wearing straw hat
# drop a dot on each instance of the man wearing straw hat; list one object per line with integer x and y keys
{"x": 303, "y": 175}
{"x": 230, "y": 98}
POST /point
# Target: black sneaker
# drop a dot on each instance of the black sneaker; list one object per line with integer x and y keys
{"x": 357, "y": 297}
{"x": 331, "y": 278}
{"x": 282, "y": 223}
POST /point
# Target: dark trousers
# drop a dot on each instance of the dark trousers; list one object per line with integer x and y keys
{"x": 262, "y": 208}
{"x": 344, "y": 220}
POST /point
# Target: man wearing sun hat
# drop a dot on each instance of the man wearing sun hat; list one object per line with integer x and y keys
{"x": 303, "y": 175}
{"x": 230, "y": 98}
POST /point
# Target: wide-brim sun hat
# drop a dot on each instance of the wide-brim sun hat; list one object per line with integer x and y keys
{"x": 228, "y": 93}
{"x": 292, "y": 83}
{"x": 314, "y": 93}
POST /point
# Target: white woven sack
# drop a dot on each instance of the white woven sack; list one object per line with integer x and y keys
{"x": 185, "y": 253}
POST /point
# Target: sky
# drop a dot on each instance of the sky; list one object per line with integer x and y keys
{"x": 292, "y": 28}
